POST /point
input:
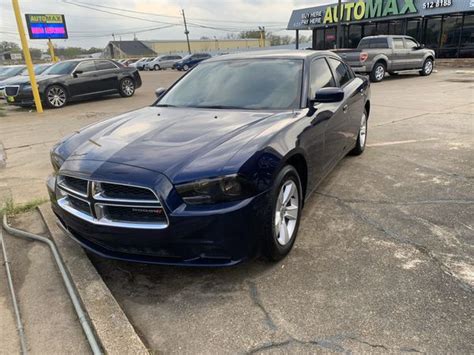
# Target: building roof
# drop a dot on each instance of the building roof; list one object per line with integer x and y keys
{"x": 133, "y": 48}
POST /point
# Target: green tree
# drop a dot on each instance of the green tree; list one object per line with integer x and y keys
{"x": 6, "y": 46}
{"x": 35, "y": 53}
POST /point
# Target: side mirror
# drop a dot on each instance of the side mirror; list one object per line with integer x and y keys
{"x": 159, "y": 92}
{"x": 77, "y": 73}
{"x": 421, "y": 46}
{"x": 327, "y": 95}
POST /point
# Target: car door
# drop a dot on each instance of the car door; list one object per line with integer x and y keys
{"x": 166, "y": 62}
{"x": 107, "y": 75}
{"x": 414, "y": 54}
{"x": 84, "y": 79}
{"x": 313, "y": 137}
{"x": 343, "y": 131}
{"x": 401, "y": 58}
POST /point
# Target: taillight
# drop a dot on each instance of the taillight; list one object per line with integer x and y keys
{"x": 363, "y": 56}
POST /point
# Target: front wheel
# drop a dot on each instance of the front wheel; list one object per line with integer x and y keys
{"x": 56, "y": 96}
{"x": 378, "y": 72}
{"x": 283, "y": 214}
{"x": 156, "y": 67}
{"x": 427, "y": 67}
{"x": 126, "y": 87}
{"x": 185, "y": 67}
{"x": 361, "y": 137}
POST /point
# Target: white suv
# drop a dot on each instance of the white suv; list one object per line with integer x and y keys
{"x": 162, "y": 62}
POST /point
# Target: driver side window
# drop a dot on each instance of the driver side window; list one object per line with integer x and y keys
{"x": 86, "y": 67}
{"x": 410, "y": 44}
{"x": 320, "y": 76}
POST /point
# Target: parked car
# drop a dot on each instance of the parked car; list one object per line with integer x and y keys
{"x": 162, "y": 62}
{"x": 216, "y": 171}
{"x": 190, "y": 61}
{"x": 38, "y": 68}
{"x": 377, "y": 55}
{"x": 140, "y": 64}
{"x": 9, "y": 71}
{"x": 76, "y": 80}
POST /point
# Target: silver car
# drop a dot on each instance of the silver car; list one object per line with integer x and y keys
{"x": 162, "y": 62}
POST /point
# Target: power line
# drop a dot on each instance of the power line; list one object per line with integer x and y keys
{"x": 177, "y": 17}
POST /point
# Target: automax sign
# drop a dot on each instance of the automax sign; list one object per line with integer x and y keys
{"x": 51, "y": 26}
{"x": 361, "y": 10}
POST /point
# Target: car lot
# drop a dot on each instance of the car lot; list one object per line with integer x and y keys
{"x": 383, "y": 260}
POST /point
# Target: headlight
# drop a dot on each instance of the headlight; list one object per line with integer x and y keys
{"x": 56, "y": 161}
{"x": 209, "y": 191}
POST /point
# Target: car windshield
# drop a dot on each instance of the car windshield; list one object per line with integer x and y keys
{"x": 187, "y": 56}
{"x": 242, "y": 84}
{"x": 61, "y": 68}
{"x": 39, "y": 68}
{"x": 11, "y": 70}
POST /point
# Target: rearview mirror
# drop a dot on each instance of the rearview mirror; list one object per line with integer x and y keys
{"x": 159, "y": 92}
{"x": 76, "y": 73}
{"x": 326, "y": 95}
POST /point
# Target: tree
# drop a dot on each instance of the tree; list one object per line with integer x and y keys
{"x": 6, "y": 46}
{"x": 35, "y": 53}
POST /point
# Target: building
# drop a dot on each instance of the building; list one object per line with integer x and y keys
{"x": 205, "y": 45}
{"x": 127, "y": 49}
{"x": 135, "y": 49}
{"x": 447, "y": 26}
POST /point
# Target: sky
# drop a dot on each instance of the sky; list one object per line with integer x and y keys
{"x": 89, "y": 26}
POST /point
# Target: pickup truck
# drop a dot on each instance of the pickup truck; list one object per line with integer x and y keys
{"x": 377, "y": 55}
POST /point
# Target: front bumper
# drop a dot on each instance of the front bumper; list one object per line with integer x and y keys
{"x": 194, "y": 238}
{"x": 23, "y": 98}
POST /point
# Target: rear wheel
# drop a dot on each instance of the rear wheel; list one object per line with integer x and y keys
{"x": 56, "y": 96}
{"x": 282, "y": 217}
{"x": 126, "y": 87}
{"x": 427, "y": 67}
{"x": 156, "y": 67}
{"x": 378, "y": 72}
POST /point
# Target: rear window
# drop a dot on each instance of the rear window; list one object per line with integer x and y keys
{"x": 373, "y": 43}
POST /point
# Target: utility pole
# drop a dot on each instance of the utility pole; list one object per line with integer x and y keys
{"x": 339, "y": 28}
{"x": 186, "y": 32}
{"x": 27, "y": 55}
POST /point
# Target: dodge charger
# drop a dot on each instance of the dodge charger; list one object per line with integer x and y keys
{"x": 218, "y": 169}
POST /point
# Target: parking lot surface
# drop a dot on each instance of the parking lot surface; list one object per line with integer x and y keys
{"x": 383, "y": 261}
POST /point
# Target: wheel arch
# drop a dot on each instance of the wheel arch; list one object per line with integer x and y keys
{"x": 367, "y": 108}
{"x": 299, "y": 162}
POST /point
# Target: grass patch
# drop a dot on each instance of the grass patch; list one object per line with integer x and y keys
{"x": 2, "y": 110}
{"x": 10, "y": 208}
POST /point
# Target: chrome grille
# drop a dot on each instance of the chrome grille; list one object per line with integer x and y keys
{"x": 111, "y": 204}
{"x": 12, "y": 90}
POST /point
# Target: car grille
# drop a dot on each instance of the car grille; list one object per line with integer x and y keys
{"x": 11, "y": 90}
{"x": 111, "y": 204}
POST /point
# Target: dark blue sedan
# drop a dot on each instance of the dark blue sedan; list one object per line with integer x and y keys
{"x": 190, "y": 61}
{"x": 217, "y": 170}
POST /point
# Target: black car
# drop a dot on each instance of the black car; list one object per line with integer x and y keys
{"x": 190, "y": 61}
{"x": 76, "y": 80}
{"x": 11, "y": 71}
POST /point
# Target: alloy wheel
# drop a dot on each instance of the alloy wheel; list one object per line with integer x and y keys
{"x": 379, "y": 72}
{"x": 363, "y": 130}
{"x": 56, "y": 96}
{"x": 128, "y": 87}
{"x": 286, "y": 212}
{"x": 428, "y": 67}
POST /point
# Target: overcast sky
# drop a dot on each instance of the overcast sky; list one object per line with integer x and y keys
{"x": 88, "y": 27}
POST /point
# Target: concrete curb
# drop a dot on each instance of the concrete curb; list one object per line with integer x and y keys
{"x": 114, "y": 331}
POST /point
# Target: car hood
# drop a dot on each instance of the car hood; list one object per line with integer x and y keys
{"x": 172, "y": 141}
{"x": 19, "y": 79}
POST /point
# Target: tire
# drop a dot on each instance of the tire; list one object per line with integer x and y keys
{"x": 127, "y": 87}
{"x": 361, "y": 136}
{"x": 280, "y": 235}
{"x": 56, "y": 96}
{"x": 156, "y": 67}
{"x": 378, "y": 72}
{"x": 185, "y": 67}
{"x": 427, "y": 67}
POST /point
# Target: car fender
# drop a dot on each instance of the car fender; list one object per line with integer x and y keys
{"x": 381, "y": 57}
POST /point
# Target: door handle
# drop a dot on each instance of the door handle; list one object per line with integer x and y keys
{"x": 345, "y": 108}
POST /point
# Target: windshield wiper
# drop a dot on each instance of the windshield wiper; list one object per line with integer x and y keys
{"x": 221, "y": 107}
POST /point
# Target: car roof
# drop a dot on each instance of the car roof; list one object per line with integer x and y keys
{"x": 274, "y": 54}
{"x": 387, "y": 36}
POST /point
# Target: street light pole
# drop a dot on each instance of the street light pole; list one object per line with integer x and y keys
{"x": 186, "y": 32}
{"x": 27, "y": 55}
